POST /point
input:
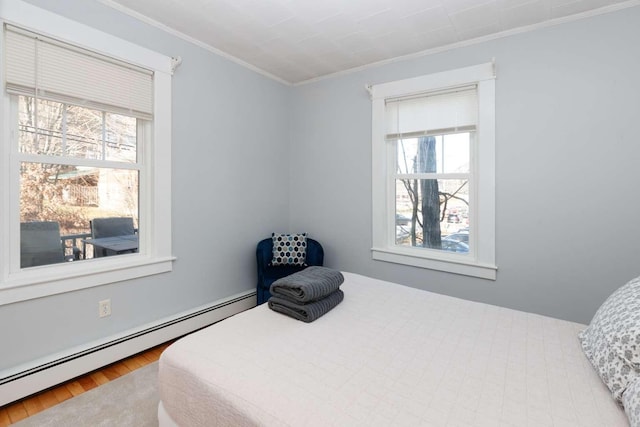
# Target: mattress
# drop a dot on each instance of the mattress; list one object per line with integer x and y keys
{"x": 387, "y": 355}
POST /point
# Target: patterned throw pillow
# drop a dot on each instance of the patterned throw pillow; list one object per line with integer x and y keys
{"x": 289, "y": 249}
{"x": 631, "y": 403}
{"x": 611, "y": 342}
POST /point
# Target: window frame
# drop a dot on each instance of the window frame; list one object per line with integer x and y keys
{"x": 480, "y": 262}
{"x": 154, "y": 182}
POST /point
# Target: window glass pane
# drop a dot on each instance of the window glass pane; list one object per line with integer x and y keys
{"x": 454, "y": 153}
{"x": 434, "y": 154}
{"x": 433, "y": 214}
{"x": 71, "y": 197}
{"x": 75, "y": 131}
{"x": 84, "y": 132}
{"x": 120, "y": 138}
{"x": 46, "y": 136}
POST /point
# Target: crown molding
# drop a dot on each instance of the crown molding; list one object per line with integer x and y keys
{"x": 477, "y": 40}
{"x": 150, "y": 21}
{"x": 550, "y": 23}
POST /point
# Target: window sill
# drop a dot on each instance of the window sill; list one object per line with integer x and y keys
{"x": 455, "y": 264}
{"x": 44, "y": 281}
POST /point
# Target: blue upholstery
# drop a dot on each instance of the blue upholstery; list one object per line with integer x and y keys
{"x": 267, "y": 274}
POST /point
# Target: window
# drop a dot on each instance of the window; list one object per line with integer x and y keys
{"x": 76, "y": 164}
{"x": 433, "y": 171}
{"x": 85, "y": 144}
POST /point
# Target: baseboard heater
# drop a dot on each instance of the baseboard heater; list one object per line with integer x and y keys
{"x": 44, "y": 374}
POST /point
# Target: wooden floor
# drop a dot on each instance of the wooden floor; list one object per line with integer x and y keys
{"x": 31, "y": 405}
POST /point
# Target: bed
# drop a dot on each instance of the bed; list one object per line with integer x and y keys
{"x": 387, "y": 355}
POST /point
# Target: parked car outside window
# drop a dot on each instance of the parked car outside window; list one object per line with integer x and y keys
{"x": 453, "y": 246}
{"x": 459, "y": 237}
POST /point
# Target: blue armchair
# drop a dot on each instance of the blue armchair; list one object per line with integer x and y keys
{"x": 267, "y": 273}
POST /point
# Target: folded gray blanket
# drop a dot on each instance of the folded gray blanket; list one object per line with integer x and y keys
{"x": 310, "y": 284}
{"x": 306, "y": 312}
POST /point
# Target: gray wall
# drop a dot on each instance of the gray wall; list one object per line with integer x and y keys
{"x": 230, "y": 156}
{"x": 567, "y": 102}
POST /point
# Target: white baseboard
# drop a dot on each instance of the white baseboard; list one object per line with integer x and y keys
{"x": 44, "y": 373}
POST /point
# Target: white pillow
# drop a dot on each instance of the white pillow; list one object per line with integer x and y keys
{"x": 611, "y": 342}
{"x": 631, "y": 403}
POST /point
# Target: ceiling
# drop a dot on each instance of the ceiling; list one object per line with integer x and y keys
{"x": 299, "y": 40}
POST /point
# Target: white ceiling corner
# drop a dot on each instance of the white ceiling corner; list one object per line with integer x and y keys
{"x": 295, "y": 41}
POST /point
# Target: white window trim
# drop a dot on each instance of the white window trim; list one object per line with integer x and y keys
{"x": 155, "y": 195}
{"x": 481, "y": 261}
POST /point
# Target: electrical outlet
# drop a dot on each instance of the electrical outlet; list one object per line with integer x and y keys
{"x": 104, "y": 308}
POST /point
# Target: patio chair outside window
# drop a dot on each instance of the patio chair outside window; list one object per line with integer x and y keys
{"x": 110, "y": 227}
{"x": 40, "y": 244}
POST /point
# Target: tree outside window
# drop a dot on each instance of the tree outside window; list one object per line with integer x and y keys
{"x": 432, "y": 192}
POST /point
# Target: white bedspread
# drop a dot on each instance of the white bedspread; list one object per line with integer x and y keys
{"x": 387, "y": 355}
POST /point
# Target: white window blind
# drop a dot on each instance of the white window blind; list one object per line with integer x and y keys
{"x": 454, "y": 110}
{"x": 49, "y": 69}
